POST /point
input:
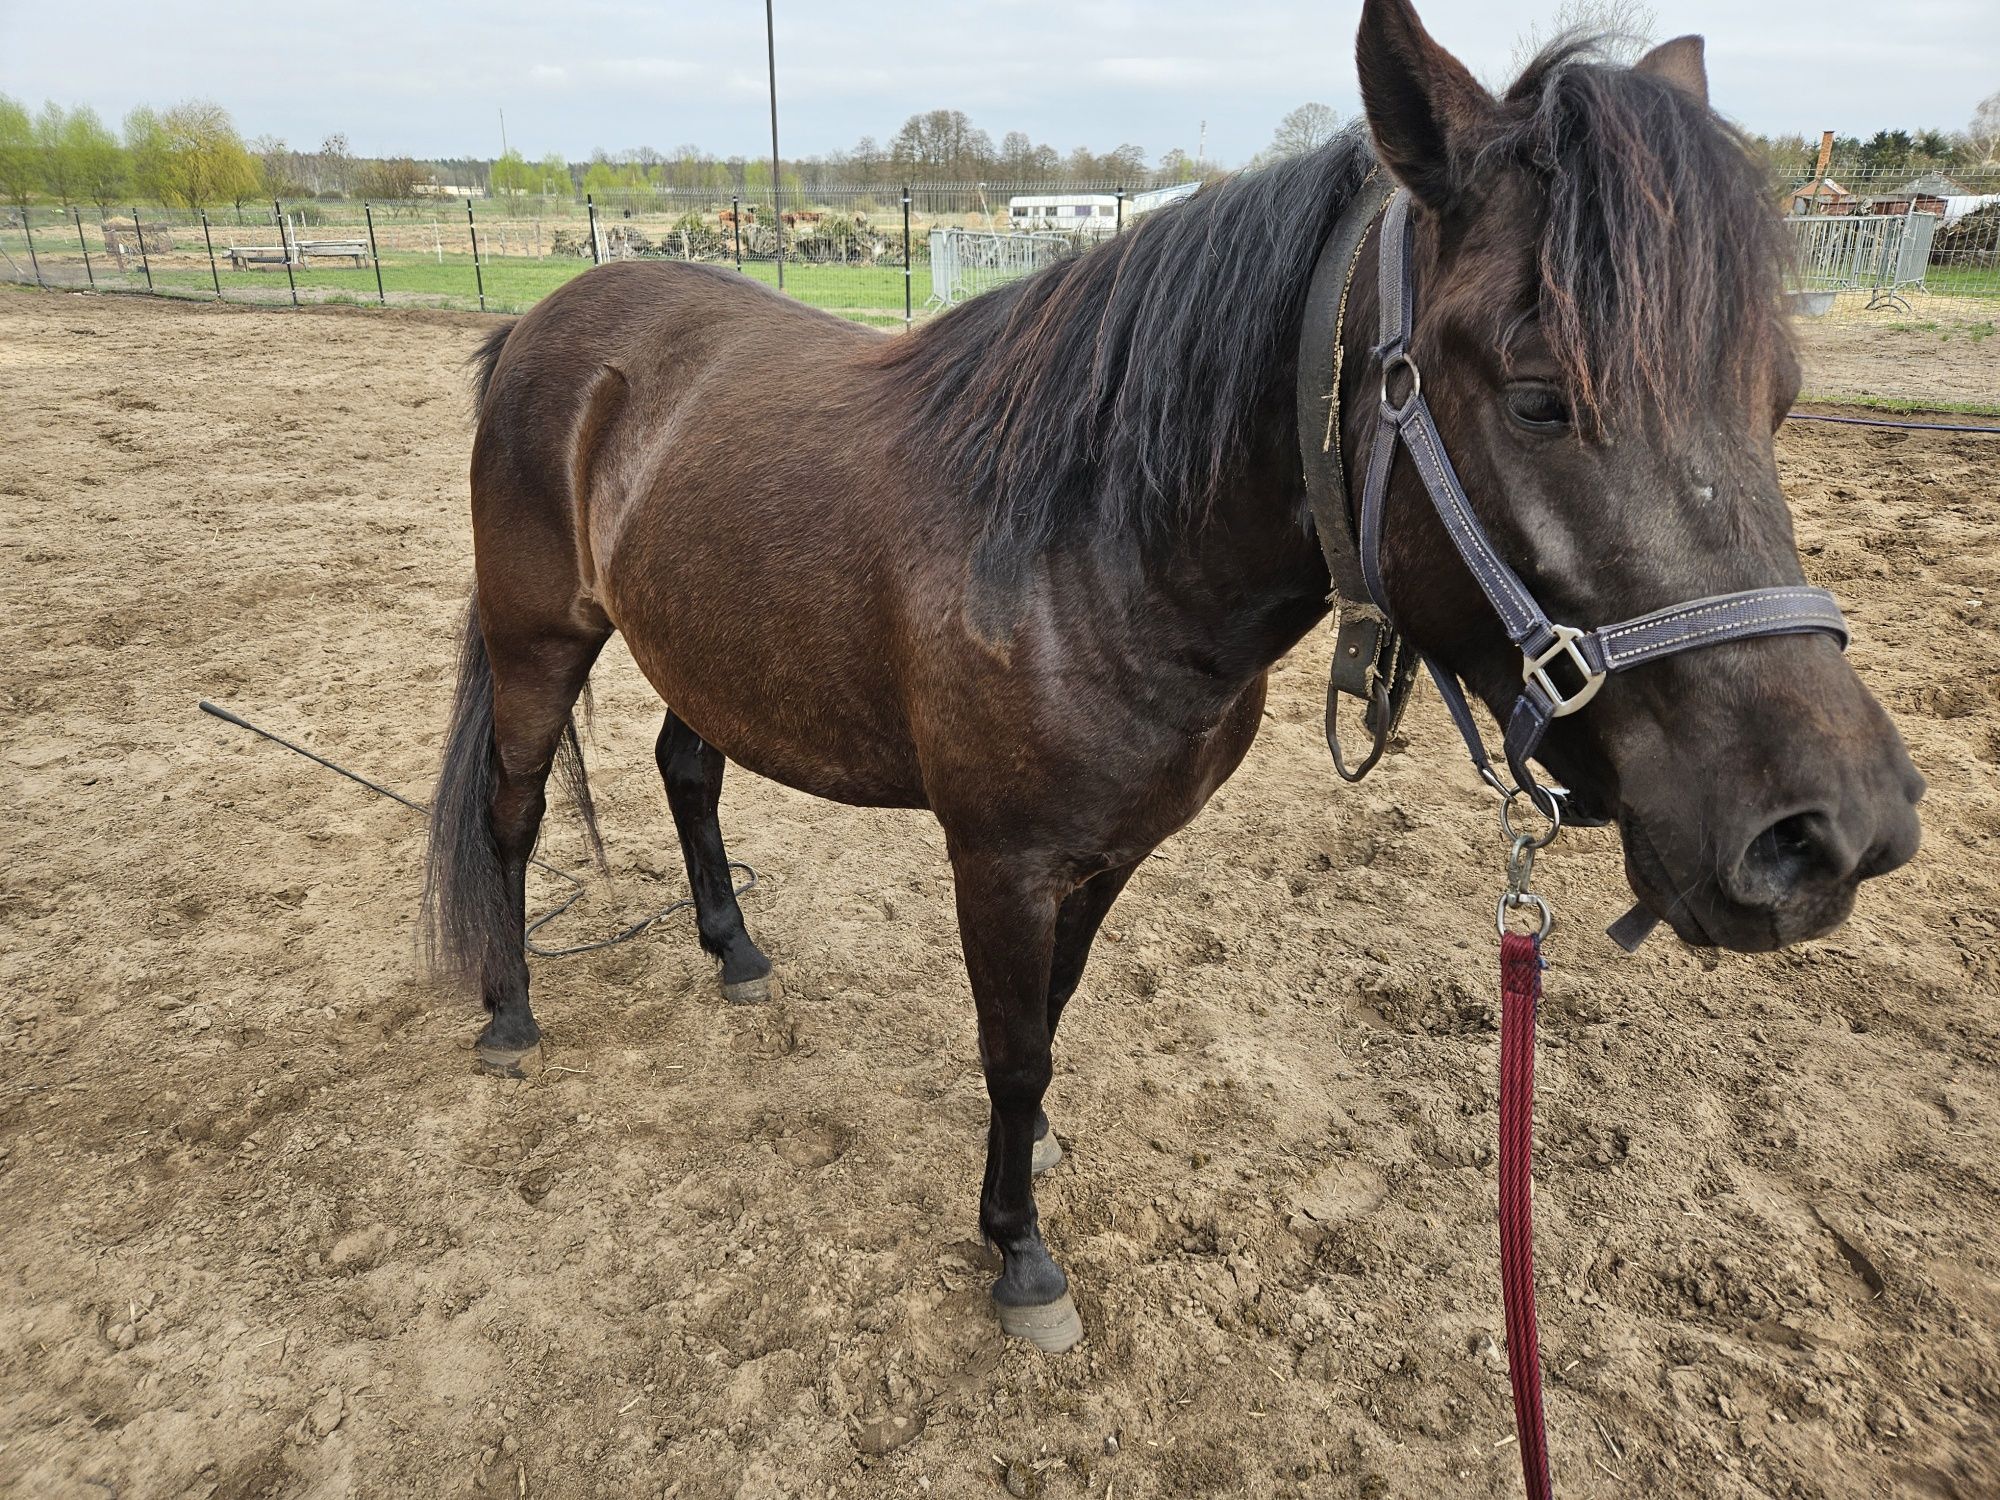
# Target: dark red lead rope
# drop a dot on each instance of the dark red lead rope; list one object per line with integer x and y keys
{"x": 1520, "y": 995}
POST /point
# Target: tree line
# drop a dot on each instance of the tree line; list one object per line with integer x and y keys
{"x": 191, "y": 156}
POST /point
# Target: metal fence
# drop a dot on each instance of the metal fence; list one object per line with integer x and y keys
{"x": 863, "y": 253}
{"x": 1881, "y": 254}
{"x": 966, "y": 262}
{"x": 1891, "y": 238}
{"x": 881, "y": 255}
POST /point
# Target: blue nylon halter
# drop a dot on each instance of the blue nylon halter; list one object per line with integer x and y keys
{"x": 1588, "y": 654}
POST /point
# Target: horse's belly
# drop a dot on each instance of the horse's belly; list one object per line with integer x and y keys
{"x": 818, "y": 722}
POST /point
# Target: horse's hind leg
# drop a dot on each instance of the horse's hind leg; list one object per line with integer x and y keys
{"x": 536, "y": 680}
{"x": 692, "y": 770}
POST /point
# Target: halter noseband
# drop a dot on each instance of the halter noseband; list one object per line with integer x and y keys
{"x": 1563, "y": 666}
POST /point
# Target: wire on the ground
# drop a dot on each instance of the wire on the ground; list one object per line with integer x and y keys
{"x": 1812, "y": 416}
{"x": 623, "y": 935}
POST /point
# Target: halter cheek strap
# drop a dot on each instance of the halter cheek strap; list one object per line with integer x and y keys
{"x": 1562, "y": 666}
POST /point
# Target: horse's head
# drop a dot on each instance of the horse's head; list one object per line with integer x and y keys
{"x": 1599, "y": 326}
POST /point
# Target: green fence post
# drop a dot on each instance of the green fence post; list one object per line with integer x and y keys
{"x": 368, "y": 212}
{"x": 84, "y": 245}
{"x": 209, "y": 240}
{"x": 139, "y": 229}
{"x": 478, "y": 276}
{"x": 29, "y": 231}
{"x": 285, "y": 249}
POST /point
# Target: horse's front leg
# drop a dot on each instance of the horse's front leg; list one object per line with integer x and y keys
{"x": 1077, "y": 920}
{"x": 1007, "y": 922}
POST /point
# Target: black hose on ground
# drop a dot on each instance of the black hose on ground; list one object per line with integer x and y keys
{"x": 623, "y": 935}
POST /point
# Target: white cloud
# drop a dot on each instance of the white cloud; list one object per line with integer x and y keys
{"x": 427, "y": 79}
{"x": 1162, "y": 71}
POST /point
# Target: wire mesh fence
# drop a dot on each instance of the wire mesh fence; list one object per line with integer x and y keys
{"x": 1863, "y": 240}
{"x": 1901, "y": 239}
{"x": 862, "y": 253}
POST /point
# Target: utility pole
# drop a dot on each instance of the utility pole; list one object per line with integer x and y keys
{"x": 503, "y": 132}
{"x": 1201, "y": 146}
{"x": 777, "y": 180}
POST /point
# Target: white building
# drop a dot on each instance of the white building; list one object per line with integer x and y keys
{"x": 1088, "y": 213}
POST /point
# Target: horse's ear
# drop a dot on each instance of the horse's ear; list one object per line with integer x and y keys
{"x": 1679, "y": 62}
{"x": 1423, "y": 106}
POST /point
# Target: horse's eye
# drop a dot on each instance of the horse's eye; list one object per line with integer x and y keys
{"x": 1537, "y": 406}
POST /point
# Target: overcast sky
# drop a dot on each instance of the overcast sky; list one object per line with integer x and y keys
{"x": 427, "y": 77}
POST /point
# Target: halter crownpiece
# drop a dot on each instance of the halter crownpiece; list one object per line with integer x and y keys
{"x": 1562, "y": 666}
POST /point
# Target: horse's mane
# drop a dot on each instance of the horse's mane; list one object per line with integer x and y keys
{"x": 1123, "y": 390}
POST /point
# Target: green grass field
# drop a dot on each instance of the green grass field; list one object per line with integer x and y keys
{"x": 870, "y": 294}
{"x": 1963, "y": 281}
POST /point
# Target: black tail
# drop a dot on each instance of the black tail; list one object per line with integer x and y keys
{"x": 472, "y": 921}
{"x": 467, "y": 916}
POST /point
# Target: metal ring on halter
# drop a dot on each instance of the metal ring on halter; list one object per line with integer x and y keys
{"x": 1518, "y": 899}
{"x": 1389, "y": 367}
{"x": 1553, "y": 812}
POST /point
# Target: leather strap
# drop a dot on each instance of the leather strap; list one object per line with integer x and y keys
{"x": 1319, "y": 389}
{"x": 1562, "y": 665}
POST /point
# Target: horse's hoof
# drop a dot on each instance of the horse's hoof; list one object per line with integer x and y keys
{"x": 1048, "y": 1151}
{"x": 747, "y": 991}
{"x": 508, "y": 1062}
{"x": 1051, "y": 1327}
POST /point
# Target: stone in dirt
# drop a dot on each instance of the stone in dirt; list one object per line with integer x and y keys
{"x": 360, "y": 1249}
{"x": 888, "y": 1432}
{"x": 324, "y": 1416}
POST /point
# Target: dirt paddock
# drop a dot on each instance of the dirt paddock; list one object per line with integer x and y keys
{"x": 264, "y": 1230}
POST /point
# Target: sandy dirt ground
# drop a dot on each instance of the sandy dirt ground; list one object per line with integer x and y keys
{"x": 265, "y": 1230}
{"x": 1944, "y": 350}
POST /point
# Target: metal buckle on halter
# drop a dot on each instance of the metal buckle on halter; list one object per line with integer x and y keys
{"x": 1535, "y": 670}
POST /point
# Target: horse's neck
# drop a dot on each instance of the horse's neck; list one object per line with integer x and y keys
{"x": 1234, "y": 590}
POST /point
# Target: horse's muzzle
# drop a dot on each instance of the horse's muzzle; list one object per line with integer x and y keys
{"x": 1758, "y": 882}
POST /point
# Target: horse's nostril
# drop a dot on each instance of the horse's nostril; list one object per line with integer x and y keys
{"x": 1790, "y": 838}
{"x": 1791, "y": 852}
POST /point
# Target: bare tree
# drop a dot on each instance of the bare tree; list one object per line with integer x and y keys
{"x": 1624, "y": 30}
{"x": 1982, "y": 136}
{"x": 1304, "y": 129}
{"x": 391, "y": 179}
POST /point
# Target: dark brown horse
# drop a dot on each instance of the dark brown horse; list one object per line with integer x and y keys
{"x": 1028, "y": 566}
